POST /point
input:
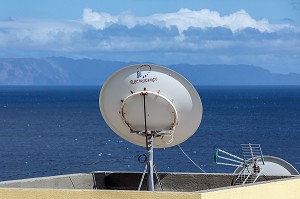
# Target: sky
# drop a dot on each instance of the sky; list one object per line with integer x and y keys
{"x": 262, "y": 33}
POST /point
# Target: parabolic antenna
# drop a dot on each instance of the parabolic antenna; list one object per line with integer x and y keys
{"x": 273, "y": 166}
{"x": 150, "y": 106}
{"x": 149, "y": 98}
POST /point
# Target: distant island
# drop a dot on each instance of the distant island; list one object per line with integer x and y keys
{"x": 67, "y": 71}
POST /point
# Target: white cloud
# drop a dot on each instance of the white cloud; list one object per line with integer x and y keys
{"x": 185, "y": 36}
{"x": 98, "y": 20}
{"x": 28, "y": 33}
{"x": 183, "y": 19}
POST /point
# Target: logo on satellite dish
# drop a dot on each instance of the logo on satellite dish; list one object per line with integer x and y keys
{"x": 142, "y": 75}
{"x": 146, "y": 72}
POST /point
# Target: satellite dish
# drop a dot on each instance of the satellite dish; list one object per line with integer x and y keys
{"x": 173, "y": 106}
{"x": 273, "y": 166}
{"x": 150, "y": 106}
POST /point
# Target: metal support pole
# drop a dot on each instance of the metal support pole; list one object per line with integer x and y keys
{"x": 149, "y": 138}
{"x": 149, "y": 145}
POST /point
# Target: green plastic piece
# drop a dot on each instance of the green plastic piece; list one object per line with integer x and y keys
{"x": 216, "y": 156}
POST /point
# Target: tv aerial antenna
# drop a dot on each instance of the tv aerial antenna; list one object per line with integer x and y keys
{"x": 253, "y": 164}
{"x": 150, "y": 106}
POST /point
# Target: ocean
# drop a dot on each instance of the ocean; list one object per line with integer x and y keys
{"x": 59, "y": 130}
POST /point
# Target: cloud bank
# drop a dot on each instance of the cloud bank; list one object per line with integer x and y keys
{"x": 185, "y": 36}
{"x": 183, "y": 20}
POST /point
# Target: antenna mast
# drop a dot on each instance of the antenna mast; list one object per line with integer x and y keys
{"x": 149, "y": 146}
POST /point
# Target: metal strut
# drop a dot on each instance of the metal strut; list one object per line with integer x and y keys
{"x": 144, "y": 173}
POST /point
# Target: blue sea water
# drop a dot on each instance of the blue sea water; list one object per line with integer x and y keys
{"x": 59, "y": 130}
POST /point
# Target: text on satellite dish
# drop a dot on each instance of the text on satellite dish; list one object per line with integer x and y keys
{"x": 138, "y": 81}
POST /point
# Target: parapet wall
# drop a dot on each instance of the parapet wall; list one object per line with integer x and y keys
{"x": 287, "y": 188}
{"x": 178, "y": 182}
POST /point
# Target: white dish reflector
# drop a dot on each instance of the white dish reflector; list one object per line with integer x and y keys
{"x": 147, "y": 96}
{"x": 273, "y": 166}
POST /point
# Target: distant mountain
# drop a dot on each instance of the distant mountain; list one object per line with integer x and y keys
{"x": 234, "y": 75}
{"x": 66, "y": 71}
